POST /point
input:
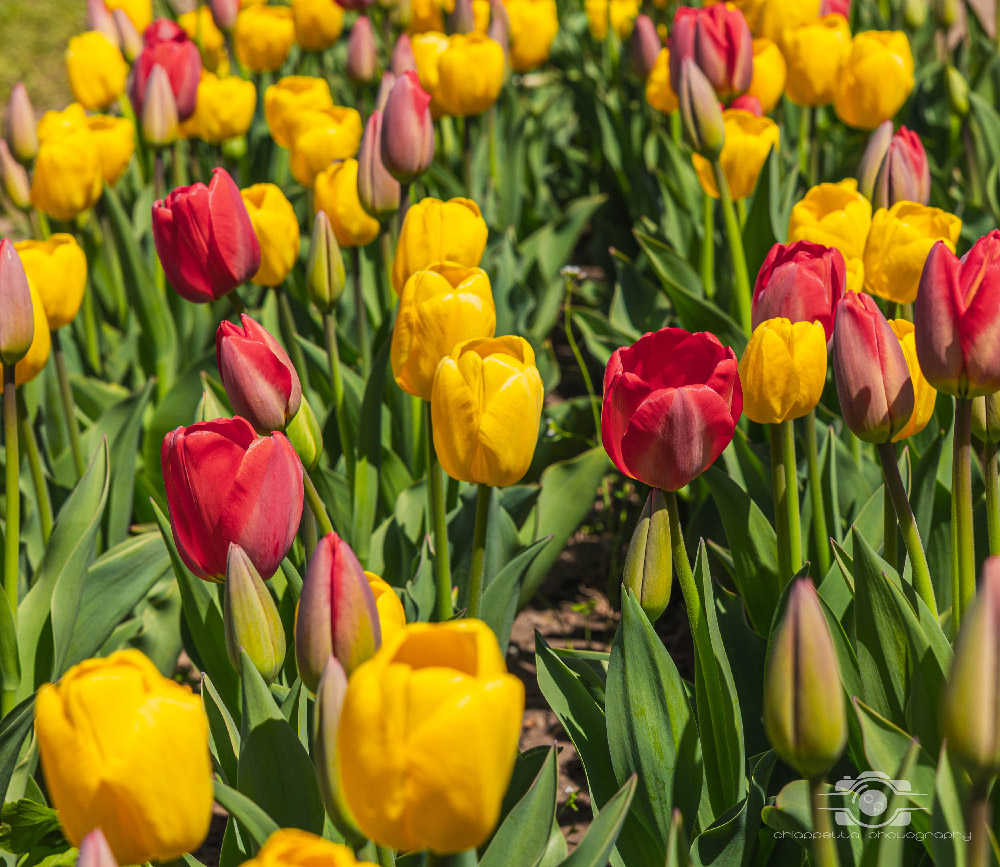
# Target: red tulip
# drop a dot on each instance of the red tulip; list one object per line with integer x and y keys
{"x": 205, "y": 239}
{"x": 644, "y": 46}
{"x": 257, "y": 373}
{"x": 957, "y": 318}
{"x": 407, "y": 129}
{"x": 894, "y": 168}
{"x": 362, "y": 51}
{"x": 671, "y": 403}
{"x": 802, "y": 282}
{"x": 873, "y": 380}
{"x": 718, "y": 39}
{"x": 402, "y": 56}
{"x": 225, "y": 484}
{"x": 164, "y": 43}
{"x": 747, "y": 102}
{"x": 835, "y": 7}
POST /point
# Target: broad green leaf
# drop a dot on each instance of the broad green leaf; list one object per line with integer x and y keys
{"x": 26, "y": 826}
{"x": 596, "y": 845}
{"x": 14, "y": 728}
{"x": 223, "y": 732}
{"x": 501, "y": 594}
{"x": 256, "y": 824}
{"x": 951, "y": 793}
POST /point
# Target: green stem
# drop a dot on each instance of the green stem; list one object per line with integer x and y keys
{"x": 741, "y": 279}
{"x": 467, "y": 155}
{"x": 824, "y": 848}
{"x": 479, "y": 551}
{"x": 323, "y": 523}
{"x": 961, "y": 491}
{"x": 27, "y": 436}
{"x": 978, "y": 821}
{"x": 821, "y": 538}
{"x": 890, "y": 541}
{"x": 791, "y": 495}
{"x": 12, "y": 536}
{"x": 708, "y": 246}
{"x": 595, "y": 403}
{"x": 333, "y": 357}
{"x": 90, "y": 337}
{"x": 438, "y": 523}
{"x": 386, "y": 856}
{"x": 804, "y": 141}
{"x": 68, "y": 405}
{"x": 992, "y": 473}
{"x": 459, "y": 859}
{"x": 908, "y": 527}
{"x": 360, "y": 311}
{"x": 779, "y": 494}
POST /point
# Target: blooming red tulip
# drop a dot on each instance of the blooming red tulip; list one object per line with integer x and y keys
{"x": 718, "y": 39}
{"x": 407, "y": 129}
{"x": 835, "y": 7}
{"x": 957, "y": 318}
{"x": 873, "y": 379}
{"x": 894, "y": 168}
{"x": 205, "y": 239}
{"x": 748, "y": 102}
{"x": 260, "y": 381}
{"x": 671, "y": 403}
{"x": 165, "y": 43}
{"x": 225, "y": 484}
{"x": 802, "y": 282}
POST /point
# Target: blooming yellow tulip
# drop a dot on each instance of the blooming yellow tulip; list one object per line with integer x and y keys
{"x": 776, "y": 17}
{"x": 318, "y": 23}
{"x": 769, "y": 74}
{"x": 139, "y": 12}
{"x": 749, "y": 140}
{"x": 96, "y": 70}
{"x": 41, "y": 343}
{"x": 336, "y": 194}
{"x": 285, "y": 101}
{"x": 659, "y": 93}
{"x": 533, "y": 26}
{"x": 290, "y": 847}
{"x": 277, "y": 230}
{"x": 200, "y": 26}
{"x": 224, "y": 109}
{"x": 57, "y": 268}
{"x": 426, "y": 16}
{"x": 898, "y": 244}
{"x": 67, "y": 179}
{"x": 263, "y": 36}
{"x": 115, "y": 138}
{"x": 125, "y": 749}
{"x": 618, "y": 15}
{"x": 481, "y": 15}
{"x": 440, "y": 307}
{"x": 816, "y": 53}
{"x": 432, "y": 718}
{"x": 427, "y": 50}
{"x": 835, "y": 215}
{"x": 470, "y": 74}
{"x": 783, "y": 370}
{"x": 391, "y": 615}
{"x": 436, "y": 231}
{"x": 924, "y": 394}
{"x": 322, "y": 136}
{"x": 876, "y": 78}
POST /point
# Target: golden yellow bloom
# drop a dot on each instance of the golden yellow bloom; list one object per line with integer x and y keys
{"x": 816, "y": 53}
{"x": 749, "y": 140}
{"x": 285, "y": 101}
{"x": 440, "y": 307}
{"x": 470, "y": 74}
{"x": 290, "y": 847}
{"x": 125, "y": 750}
{"x": 426, "y": 16}
{"x": 855, "y": 275}
{"x": 96, "y": 70}
{"x": 432, "y": 719}
{"x": 57, "y": 268}
{"x": 769, "y": 74}
{"x": 427, "y": 50}
{"x": 391, "y": 615}
{"x": 597, "y": 18}
{"x": 336, "y": 193}
{"x": 835, "y": 215}
{"x": 876, "y": 78}
{"x": 533, "y": 26}
{"x": 924, "y": 394}
{"x": 481, "y": 15}
{"x": 783, "y": 370}
{"x": 67, "y": 178}
{"x": 776, "y": 17}
{"x": 751, "y": 10}
{"x": 115, "y": 138}
{"x": 436, "y": 231}
{"x": 620, "y": 15}
{"x": 41, "y": 344}
{"x": 201, "y": 27}
{"x": 486, "y": 403}
{"x": 659, "y": 94}
{"x": 277, "y": 230}
{"x": 263, "y": 37}
{"x": 140, "y": 12}
{"x": 318, "y": 23}
{"x": 322, "y": 136}
{"x": 224, "y": 109}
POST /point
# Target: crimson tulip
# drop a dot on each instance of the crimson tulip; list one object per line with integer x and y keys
{"x": 894, "y": 168}
{"x": 835, "y": 7}
{"x": 258, "y": 375}
{"x": 957, "y": 318}
{"x": 748, "y": 102}
{"x": 164, "y": 43}
{"x": 227, "y": 485}
{"x": 801, "y": 282}
{"x": 718, "y": 39}
{"x": 644, "y": 46}
{"x": 671, "y": 403}
{"x": 204, "y": 238}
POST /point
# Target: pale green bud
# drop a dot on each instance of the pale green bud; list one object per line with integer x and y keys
{"x": 648, "y": 565}
{"x": 252, "y": 622}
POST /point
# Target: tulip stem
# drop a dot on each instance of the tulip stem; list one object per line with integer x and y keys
{"x": 12, "y": 535}
{"x": 595, "y": 403}
{"x": 961, "y": 492}
{"x": 438, "y": 518}
{"x": 360, "y": 311}
{"x": 333, "y": 356}
{"x": 821, "y": 537}
{"x": 27, "y": 436}
{"x": 479, "y": 551}
{"x": 992, "y": 472}
{"x": 323, "y": 522}
{"x": 824, "y": 848}
{"x": 908, "y": 526}
{"x": 68, "y": 405}
{"x": 741, "y": 279}
{"x": 890, "y": 546}
{"x": 785, "y": 487}
{"x": 386, "y": 856}
{"x": 978, "y": 821}
{"x": 708, "y": 246}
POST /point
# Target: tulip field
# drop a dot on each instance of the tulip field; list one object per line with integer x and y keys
{"x": 514, "y": 433}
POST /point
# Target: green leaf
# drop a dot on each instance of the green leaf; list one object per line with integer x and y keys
{"x": 596, "y": 845}
{"x": 26, "y": 825}
{"x": 951, "y": 793}
{"x": 501, "y": 594}
{"x": 14, "y": 728}
{"x": 254, "y": 822}
{"x": 223, "y": 732}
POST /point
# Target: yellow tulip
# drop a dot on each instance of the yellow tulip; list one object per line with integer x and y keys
{"x": 659, "y": 92}
{"x": 876, "y": 78}
{"x": 428, "y": 736}
{"x": 835, "y": 215}
{"x": 481, "y": 15}
{"x": 115, "y": 138}
{"x": 533, "y": 26}
{"x": 749, "y": 140}
{"x": 96, "y": 70}
{"x": 318, "y": 23}
{"x": 783, "y": 370}
{"x": 779, "y": 16}
{"x": 427, "y": 50}
{"x": 619, "y": 15}
{"x": 200, "y": 26}
{"x": 391, "y": 615}
{"x": 277, "y": 230}
{"x": 597, "y": 18}
{"x": 224, "y": 109}
{"x": 336, "y": 193}
{"x": 125, "y": 749}
{"x": 855, "y": 275}
{"x": 57, "y": 268}
{"x": 263, "y": 37}
{"x": 898, "y": 244}
{"x": 67, "y": 178}
{"x": 924, "y": 394}
{"x": 470, "y": 74}
{"x": 426, "y": 16}
{"x": 285, "y": 101}
{"x": 322, "y": 136}
{"x": 769, "y": 74}
{"x": 486, "y": 403}
{"x": 815, "y": 54}
{"x": 440, "y": 307}
{"x": 436, "y": 231}
{"x": 41, "y": 343}
{"x": 139, "y": 12}
{"x": 290, "y": 847}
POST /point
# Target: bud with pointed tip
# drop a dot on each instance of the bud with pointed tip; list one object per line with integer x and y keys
{"x": 804, "y": 714}
{"x": 407, "y": 141}
{"x": 252, "y": 622}
{"x": 945, "y": 13}
{"x": 99, "y": 18}
{"x": 986, "y": 418}
{"x": 894, "y": 168}
{"x": 914, "y": 13}
{"x": 159, "y": 110}
{"x": 648, "y": 564}
{"x": 210, "y": 407}
{"x": 499, "y": 29}
{"x": 384, "y": 89}
{"x": 224, "y": 13}
{"x": 17, "y": 315}
{"x": 362, "y": 52}
{"x": 700, "y": 112}
{"x": 305, "y": 435}
{"x": 20, "y": 125}
{"x": 402, "y": 56}
{"x": 129, "y": 39}
{"x": 462, "y": 18}
{"x": 644, "y": 46}
{"x": 717, "y": 38}
{"x": 15, "y": 179}
{"x": 326, "y": 728}
{"x": 378, "y": 191}
{"x": 325, "y": 276}
{"x": 957, "y": 89}
{"x": 95, "y": 852}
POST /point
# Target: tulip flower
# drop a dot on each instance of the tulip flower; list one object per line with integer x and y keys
{"x": 875, "y": 80}
{"x": 57, "y": 268}
{"x": 407, "y": 140}
{"x": 327, "y": 711}
{"x": 748, "y": 141}
{"x": 153, "y": 797}
{"x": 532, "y": 25}
{"x": 129, "y": 38}
{"x": 648, "y": 563}
{"x": 290, "y": 847}
{"x": 200, "y": 26}
{"x": 67, "y": 179}
{"x": 486, "y": 403}
{"x": 263, "y": 36}
{"x": 224, "y": 110}
{"x": 19, "y": 124}
{"x": 701, "y": 114}
{"x": 618, "y": 15}
{"x": 337, "y": 615}
{"x": 659, "y": 94}
{"x": 776, "y": 17}
{"x": 461, "y": 19}
{"x": 96, "y": 70}
{"x": 252, "y": 623}
{"x": 378, "y": 192}
{"x": 138, "y": 12}
{"x": 38, "y": 352}
{"x": 439, "y": 308}
{"x": 225, "y": 13}
{"x": 94, "y": 849}
{"x": 285, "y": 102}
{"x": 924, "y": 394}
{"x": 770, "y": 74}
{"x": 336, "y": 193}
{"x": 225, "y": 484}
{"x": 318, "y": 23}
{"x": 835, "y": 215}
{"x": 305, "y": 435}
{"x": 470, "y": 73}
{"x": 17, "y": 318}
{"x": 644, "y": 46}
{"x": 320, "y": 137}
{"x": 205, "y": 239}
{"x": 166, "y": 44}
{"x": 499, "y": 26}
{"x": 802, "y": 282}
{"x": 258, "y": 376}
{"x": 101, "y": 20}
{"x": 816, "y": 53}
{"x": 718, "y": 40}
{"x": 671, "y": 403}
{"x": 894, "y": 168}
{"x": 747, "y": 103}
{"x": 325, "y": 277}
{"x": 391, "y": 614}
{"x": 277, "y": 230}
{"x": 402, "y": 59}
{"x": 432, "y": 718}
{"x": 362, "y": 52}
{"x": 115, "y": 140}
{"x": 159, "y": 111}
{"x": 15, "y": 179}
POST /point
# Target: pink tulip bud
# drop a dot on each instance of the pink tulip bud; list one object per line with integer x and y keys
{"x": 835, "y": 7}
{"x": 326, "y": 755}
{"x": 20, "y": 124}
{"x": 17, "y": 317}
{"x": 129, "y": 39}
{"x": 894, "y": 168}
{"x": 99, "y": 18}
{"x": 402, "y": 56}
{"x": 164, "y": 43}
{"x": 15, "y": 179}
{"x": 384, "y": 87}
{"x": 224, "y": 13}
{"x": 378, "y": 191}
{"x": 701, "y": 114}
{"x": 362, "y": 53}
{"x": 718, "y": 40}
{"x": 746, "y": 102}
{"x": 644, "y": 46}
{"x": 461, "y": 19}
{"x": 499, "y": 29}
{"x": 95, "y": 852}
{"x": 407, "y": 130}
{"x": 159, "y": 110}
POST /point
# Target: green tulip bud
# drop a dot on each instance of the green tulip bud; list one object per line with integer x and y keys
{"x": 325, "y": 276}
{"x": 958, "y": 91}
{"x": 986, "y": 418}
{"x": 914, "y": 13}
{"x": 210, "y": 407}
{"x": 252, "y": 622}
{"x": 305, "y": 435}
{"x": 701, "y": 113}
{"x": 648, "y": 565}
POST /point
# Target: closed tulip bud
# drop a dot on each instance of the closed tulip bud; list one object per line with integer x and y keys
{"x": 325, "y": 276}
{"x": 305, "y": 435}
{"x": 945, "y": 13}
{"x": 100, "y": 20}
{"x": 165, "y": 44}
{"x": 875, "y": 80}
{"x": 210, "y": 407}
{"x": 717, "y": 39}
{"x": 873, "y": 378}
{"x": 437, "y": 231}
{"x": 461, "y": 19}
{"x": 96, "y": 70}
{"x": 402, "y": 56}
{"x": 378, "y": 191}
{"x": 644, "y": 46}
{"x": 748, "y": 103}
{"x": 362, "y": 52}
{"x": 20, "y": 125}
{"x": 15, "y": 179}
{"x": 290, "y": 847}
{"x": 225, "y": 13}
{"x": 129, "y": 39}
{"x": 957, "y": 89}
{"x": 459, "y": 93}
{"x": 318, "y": 23}
{"x": 649, "y": 565}
{"x": 263, "y": 37}
{"x": 700, "y": 112}
{"x": 277, "y": 230}
{"x": 330, "y": 695}
{"x": 986, "y": 418}
{"x": 815, "y": 53}
{"x": 894, "y": 168}
{"x": 17, "y": 316}
{"x": 914, "y": 13}
{"x": 252, "y": 623}
{"x": 835, "y": 215}
{"x": 384, "y": 88}
{"x": 804, "y": 714}
{"x": 873, "y": 160}
{"x": 337, "y": 615}
{"x": 407, "y": 140}
{"x": 499, "y": 28}
{"x": 159, "y": 111}
{"x": 835, "y": 7}
{"x": 95, "y": 851}
{"x": 57, "y": 270}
